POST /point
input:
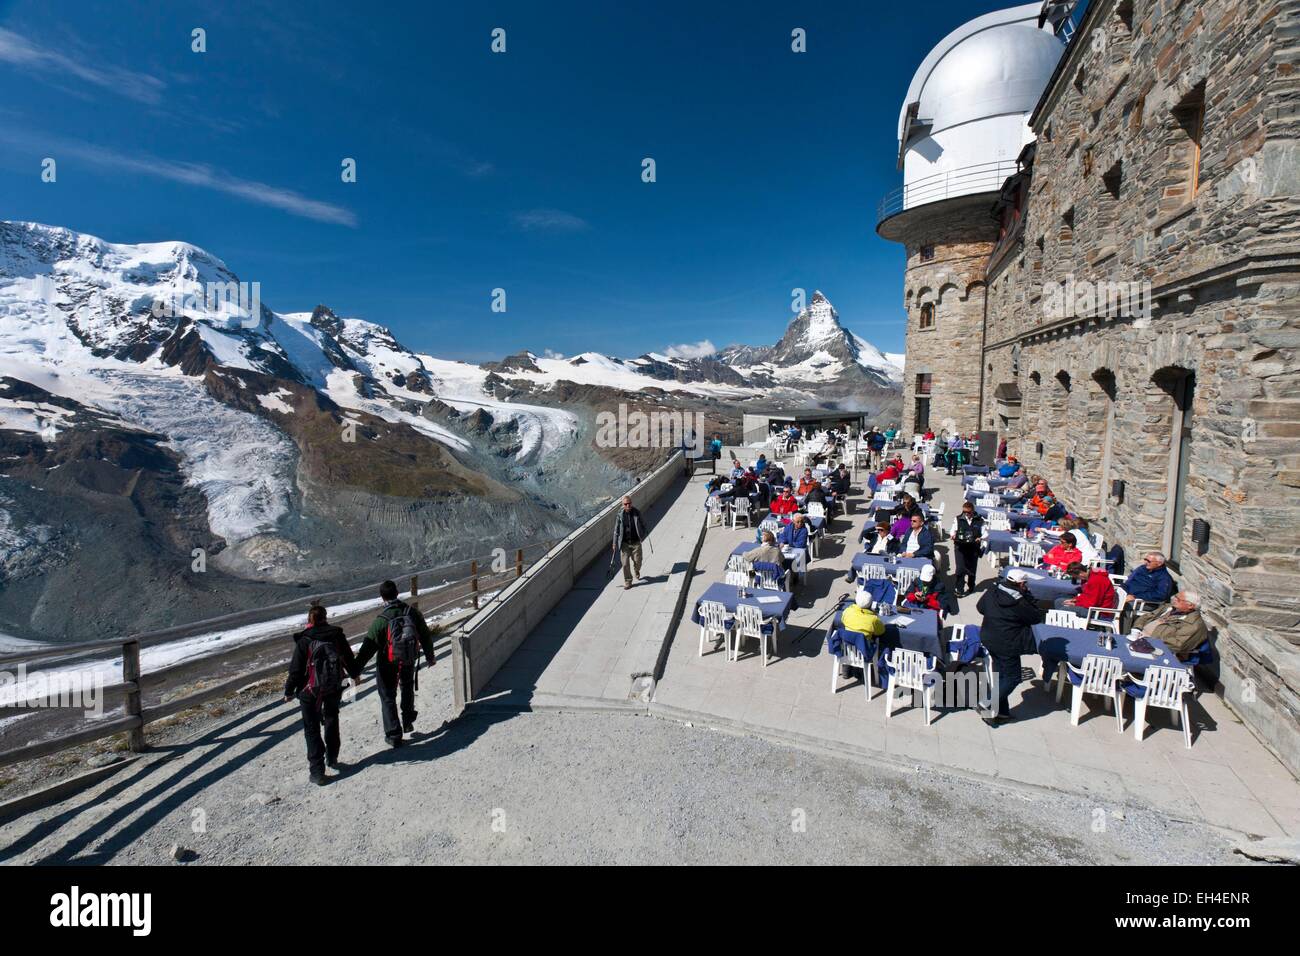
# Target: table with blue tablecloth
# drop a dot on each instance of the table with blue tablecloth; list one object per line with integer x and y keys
{"x": 1001, "y": 542}
{"x": 729, "y": 596}
{"x": 1073, "y": 644}
{"x": 995, "y": 484}
{"x": 1044, "y": 587}
{"x": 922, "y": 634}
{"x": 975, "y": 469}
{"x": 1004, "y": 498}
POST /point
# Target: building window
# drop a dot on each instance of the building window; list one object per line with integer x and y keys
{"x": 927, "y": 315}
{"x": 1113, "y": 179}
{"x": 927, "y": 253}
{"x": 923, "y": 382}
{"x": 1124, "y": 10}
{"x": 1190, "y": 115}
{"x": 1181, "y": 386}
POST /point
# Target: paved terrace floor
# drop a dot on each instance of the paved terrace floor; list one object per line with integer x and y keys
{"x": 585, "y": 653}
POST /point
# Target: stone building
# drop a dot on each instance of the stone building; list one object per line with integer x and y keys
{"x": 1138, "y": 345}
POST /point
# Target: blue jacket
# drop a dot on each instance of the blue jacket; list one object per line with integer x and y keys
{"x": 925, "y": 541}
{"x": 794, "y": 537}
{"x": 1147, "y": 585}
{"x": 876, "y": 441}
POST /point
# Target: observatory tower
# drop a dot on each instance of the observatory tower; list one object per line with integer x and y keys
{"x": 961, "y": 129}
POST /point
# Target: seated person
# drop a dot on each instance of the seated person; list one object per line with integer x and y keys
{"x": 816, "y": 493}
{"x": 877, "y": 539}
{"x": 785, "y": 503}
{"x": 919, "y": 542}
{"x": 1151, "y": 580}
{"x": 889, "y": 473}
{"x": 774, "y": 475}
{"x": 917, "y": 467}
{"x": 806, "y": 483}
{"x": 1064, "y": 554}
{"x": 1010, "y": 467}
{"x": 1017, "y": 482}
{"x": 1084, "y": 543}
{"x": 840, "y": 480}
{"x": 737, "y": 469}
{"x": 928, "y": 591}
{"x": 1098, "y": 591}
{"x": 1043, "y": 500}
{"x": 760, "y": 466}
{"x": 795, "y": 534}
{"x": 1178, "y": 624}
{"x": 769, "y": 553}
{"x": 859, "y": 617}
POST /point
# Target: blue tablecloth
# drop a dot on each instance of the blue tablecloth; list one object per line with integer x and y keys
{"x": 1001, "y": 542}
{"x": 1044, "y": 587}
{"x": 994, "y": 483}
{"x": 728, "y": 595}
{"x": 921, "y": 635}
{"x": 975, "y": 469}
{"x": 1072, "y": 644}
{"x": 1004, "y": 498}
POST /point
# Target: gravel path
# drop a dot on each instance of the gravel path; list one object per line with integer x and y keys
{"x": 564, "y": 788}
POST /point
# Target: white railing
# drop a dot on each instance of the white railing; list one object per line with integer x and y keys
{"x": 966, "y": 181}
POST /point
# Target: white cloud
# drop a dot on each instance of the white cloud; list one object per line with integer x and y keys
{"x": 702, "y": 349}
{"x": 192, "y": 174}
{"x": 552, "y": 354}
{"x": 550, "y": 220}
{"x": 24, "y": 53}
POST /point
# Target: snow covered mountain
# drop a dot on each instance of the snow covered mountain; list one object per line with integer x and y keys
{"x": 817, "y": 359}
{"x": 153, "y": 408}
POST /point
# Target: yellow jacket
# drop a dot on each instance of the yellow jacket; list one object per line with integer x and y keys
{"x": 862, "y": 620}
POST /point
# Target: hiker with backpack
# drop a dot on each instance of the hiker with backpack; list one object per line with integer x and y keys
{"x": 321, "y": 660}
{"x": 397, "y": 636}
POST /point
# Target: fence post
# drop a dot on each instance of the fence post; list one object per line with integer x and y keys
{"x": 415, "y": 589}
{"x": 473, "y": 582}
{"x": 519, "y": 562}
{"x": 131, "y": 676}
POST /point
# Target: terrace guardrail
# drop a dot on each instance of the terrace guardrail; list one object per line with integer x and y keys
{"x": 964, "y": 181}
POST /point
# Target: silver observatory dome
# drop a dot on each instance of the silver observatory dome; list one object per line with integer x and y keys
{"x": 964, "y": 119}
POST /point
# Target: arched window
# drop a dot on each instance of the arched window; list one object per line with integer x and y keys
{"x": 927, "y": 316}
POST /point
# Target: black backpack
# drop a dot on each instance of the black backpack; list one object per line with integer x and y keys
{"x": 324, "y": 669}
{"x": 403, "y": 639}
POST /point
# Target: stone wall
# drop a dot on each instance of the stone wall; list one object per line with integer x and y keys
{"x": 1122, "y": 199}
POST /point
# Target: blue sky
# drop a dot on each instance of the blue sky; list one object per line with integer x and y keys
{"x": 477, "y": 170}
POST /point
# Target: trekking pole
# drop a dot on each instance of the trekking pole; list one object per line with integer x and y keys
{"x": 817, "y": 623}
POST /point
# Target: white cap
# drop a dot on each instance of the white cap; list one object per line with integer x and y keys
{"x": 927, "y": 573}
{"x": 863, "y": 598}
{"x": 1017, "y": 575}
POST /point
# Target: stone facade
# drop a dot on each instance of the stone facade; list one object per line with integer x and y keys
{"x": 948, "y": 244}
{"x": 1167, "y": 165}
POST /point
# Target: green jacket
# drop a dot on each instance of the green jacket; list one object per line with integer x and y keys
{"x": 1181, "y": 633}
{"x": 376, "y": 640}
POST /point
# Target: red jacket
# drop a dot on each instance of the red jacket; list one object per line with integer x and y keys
{"x": 1062, "y": 557}
{"x": 1097, "y": 591}
{"x": 806, "y": 485}
{"x": 889, "y": 474}
{"x": 784, "y": 506}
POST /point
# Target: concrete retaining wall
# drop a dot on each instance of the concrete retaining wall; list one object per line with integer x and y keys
{"x": 495, "y": 633}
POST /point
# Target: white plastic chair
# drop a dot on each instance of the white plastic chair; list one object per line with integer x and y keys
{"x": 1027, "y": 554}
{"x": 1058, "y": 617}
{"x": 936, "y": 514}
{"x": 904, "y": 578}
{"x": 851, "y": 658}
{"x": 749, "y": 623}
{"x": 714, "y": 517}
{"x": 735, "y": 562}
{"x": 738, "y": 579}
{"x": 713, "y": 625}
{"x": 987, "y": 501}
{"x": 909, "y": 670}
{"x": 980, "y": 485}
{"x": 740, "y": 509}
{"x": 1100, "y": 675}
{"x": 770, "y": 524}
{"x": 816, "y": 509}
{"x": 1166, "y": 688}
{"x": 874, "y": 571}
{"x": 767, "y": 579}
{"x": 998, "y": 522}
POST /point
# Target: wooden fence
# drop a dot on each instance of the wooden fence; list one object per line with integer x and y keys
{"x": 135, "y": 683}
